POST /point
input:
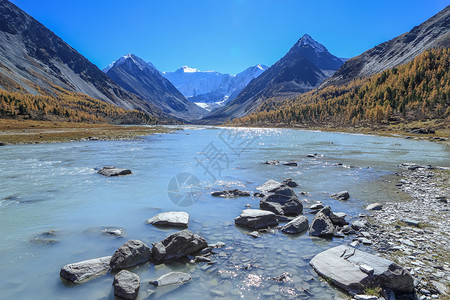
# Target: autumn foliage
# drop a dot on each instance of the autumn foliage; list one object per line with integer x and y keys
{"x": 418, "y": 90}
{"x": 66, "y": 106}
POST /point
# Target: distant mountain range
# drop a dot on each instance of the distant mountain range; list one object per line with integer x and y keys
{"x": 143, "y": 79}
{"x": 211, "y": 89}
{"x": 306, "y": 65}
{"x": 35, "y": 60}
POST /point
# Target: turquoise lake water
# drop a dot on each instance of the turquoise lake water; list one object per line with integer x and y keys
{"x": 55, "y": 187}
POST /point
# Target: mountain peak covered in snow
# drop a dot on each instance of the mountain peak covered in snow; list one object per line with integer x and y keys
{"x": 131, "y": 58}
{"x": 308, "y": 41}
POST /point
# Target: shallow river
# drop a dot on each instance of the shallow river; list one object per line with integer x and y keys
{"x": 54, "y": 187}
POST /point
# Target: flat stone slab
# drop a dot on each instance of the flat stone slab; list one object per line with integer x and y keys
{"x": 171, "y": 278}
{"x": 113, "y": 171}
{"x": 344, "y": 266}
{"x": 374, "y": 206}
{"x": 84, "y": 270}
{"x": 171, "y": 218}
{"x": 256, "y": 219}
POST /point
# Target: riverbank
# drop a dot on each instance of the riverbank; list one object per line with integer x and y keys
{"x": 415, "y": 233}
{"x": 33, "y": 132}
{"x": 440, "y": 131}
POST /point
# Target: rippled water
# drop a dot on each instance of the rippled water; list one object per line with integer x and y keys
{"x": 55, "y": 187}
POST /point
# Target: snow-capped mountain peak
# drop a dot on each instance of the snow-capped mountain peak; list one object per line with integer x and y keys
{"x": 187, "y": 69}
{"x": 308, "y": 41}
{"x": 131, "y": 58}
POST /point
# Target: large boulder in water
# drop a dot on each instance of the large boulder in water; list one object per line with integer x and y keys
{"x": 281, "y": 205}
{"x": 256, "y": 219}
{"x": 126, "y": 285}
{"x": 344, "y": 195}
{"x": 84, "y": 270}
{"x": 132, "y": 253}
{"x": 113, "y": 171}
{"x": 269, "y": 186}
{"x": 322, "y": 225}
{"x": 354, "y": 270}
{"x": 297, "y": 225}
{"x": 171, "y": 218}
{"x": 177, "y": 245}
{"x": 235, "y": 193}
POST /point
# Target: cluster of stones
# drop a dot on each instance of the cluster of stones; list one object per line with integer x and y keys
{"x": 182, "y": 244}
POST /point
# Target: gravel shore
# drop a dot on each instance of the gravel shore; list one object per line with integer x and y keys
{"x": 415, "y": 233}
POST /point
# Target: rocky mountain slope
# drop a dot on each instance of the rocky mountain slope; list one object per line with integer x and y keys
{"x": 35, "y": 60}
{"x": 143, "y": 79}
{"x": 304, "y": 67}
{"x": 209, "y": 88}
{"x": 435, "y": 32}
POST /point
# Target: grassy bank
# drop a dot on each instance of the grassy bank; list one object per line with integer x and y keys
{"x": 30, "y": 132}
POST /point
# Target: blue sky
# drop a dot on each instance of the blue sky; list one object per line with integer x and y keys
{"x": 223, "y": 35}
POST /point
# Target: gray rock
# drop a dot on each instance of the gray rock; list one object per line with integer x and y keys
{"x": 291, "y": 164}
{"x": 411, "y": 222}
{"x": 338, "y": 218}
{"x": 2, "y": 144}
{"x": 360, "y": 224}
{"x": 285, "y": 191}
{"x": 132, "y": 253}
{"x": 217, "y": 245}
{"x": 113, "y": 171}
{"x": 317, "y": 205}
{"x": 290, "y": 183}
{"x": 297, "y": 225}
{"x": 111, "y": 231}
{"x": 256, "y": 219}
{"x": 171, "y": 218}
{"x": 84, "y": 270}
{"x": 344, "y": 195}
{"x": 177, "y": 245}
{"x": 254, "y": 234}
{"x": 374, "y": 206}
{"x": 321, "y": 226}
{"x": 126, "y": 285}
{"x": 235, "y": 193}
{"x": 341, "y": 265}
{"x": 269, "y": 186}
{"x": 272, "y": 162}
{"x": 281, "y": 204}
{"x": 171, "y": 278}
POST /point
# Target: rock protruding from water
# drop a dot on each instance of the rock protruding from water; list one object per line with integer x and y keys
{"x": 235, "y": 193}
{"x": 344, "y": 195}
{"x": 113, "y": 171}
{"x": 177, "y": 245}
{"x": 256, "y": 219}
{"x": 171, "y": 218}
{"x": 270, "y": 186}
{"x": 290, "y": 183}
{"x": 281, "y": 205}
{"x": 126, "y": 285}
{"x": 347, "y": 268}
{"x": 132, "y": 253}
{"x": 374, "y": 206}
{"x": 322, "y": 225}
{"x": 172, "y": 278}
{"x": 84, "y": 270}
{"x": 297, "y": 225}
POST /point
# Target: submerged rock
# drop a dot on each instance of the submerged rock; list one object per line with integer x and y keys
{"x": 347, "y": 268}
{"x": 297, "y": 225}
{"x": 126, "y": 285}
{"x": 113, "y": 171}
{"x": 344, "y": 195}
{"x": 177, "y": 245}
{"x": 235, "y": 193}
{"x": 84, "y": 270}
{"x": 171, "y": 278}
{"x": 118, "y": 232}
{"x": 132, "y": 253}
{"x": 256, "y": 219}
{"x": 171, "y": 218}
